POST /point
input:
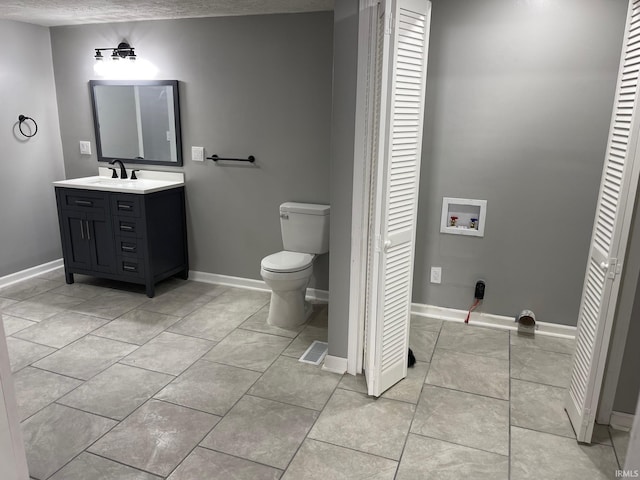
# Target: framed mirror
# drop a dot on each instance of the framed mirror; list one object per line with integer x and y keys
{"x": 137, "y": 121}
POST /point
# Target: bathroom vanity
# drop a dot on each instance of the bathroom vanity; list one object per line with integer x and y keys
{"x": 128, "y": 230}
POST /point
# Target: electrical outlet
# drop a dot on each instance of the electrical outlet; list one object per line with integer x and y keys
{"x": 197, "y": 154}
{"x": 436, "y": 274}
{"x": 85, "y": 148}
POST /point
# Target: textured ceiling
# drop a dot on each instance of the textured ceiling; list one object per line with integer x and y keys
{"x": 70, "y": 12}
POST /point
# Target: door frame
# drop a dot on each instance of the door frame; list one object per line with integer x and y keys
{"x": 362, "y": 181}
{"x": 367, "y": 21}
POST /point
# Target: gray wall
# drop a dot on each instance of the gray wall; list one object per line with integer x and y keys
{"x": 256, "y": 85}
{"x": 632, "y": 460}
{"x": 627, "y": 323}
{"x": 629, "y": 381}
{"x": 29, "y": 234}
{"x": 345, "y": 63}
{"x": 519, "y": 100}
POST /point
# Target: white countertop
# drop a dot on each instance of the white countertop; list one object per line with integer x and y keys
{"x": 148, "y": 181}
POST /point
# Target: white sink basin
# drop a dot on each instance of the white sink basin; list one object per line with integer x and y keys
{"x": 116, "y": 182}
{"x": 156, "y": 182}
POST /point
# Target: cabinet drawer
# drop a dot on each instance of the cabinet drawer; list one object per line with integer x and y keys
{"x": 128, "y": 247}
{"x": 128, "y": 226}
{"x": 82, "y": 200}
{"x": 131, "y": 267}
{"x": 125, "y": 205}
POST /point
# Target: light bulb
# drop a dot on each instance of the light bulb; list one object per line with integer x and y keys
{"x": 141, "y": 69}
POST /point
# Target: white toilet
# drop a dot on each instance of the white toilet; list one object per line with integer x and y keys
{"x": 305, "y": 234}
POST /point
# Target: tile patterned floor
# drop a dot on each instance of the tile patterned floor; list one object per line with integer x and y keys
{"x": 195, "y": 385}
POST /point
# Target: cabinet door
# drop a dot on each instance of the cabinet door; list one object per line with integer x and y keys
{"x": 101, "y": 242}
{"x": 77, "y": 251}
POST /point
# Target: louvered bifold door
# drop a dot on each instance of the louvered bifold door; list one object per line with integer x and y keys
{"x": 609, "y": 239}
{"x": 401, "y": 112}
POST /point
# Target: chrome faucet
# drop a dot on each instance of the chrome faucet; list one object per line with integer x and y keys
{"x": 123, "y": 171}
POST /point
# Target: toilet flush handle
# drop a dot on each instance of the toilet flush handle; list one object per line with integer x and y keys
{"x": 284, "y": 216}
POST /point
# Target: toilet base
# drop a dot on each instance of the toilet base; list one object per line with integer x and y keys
{"x": 288, "y": 309}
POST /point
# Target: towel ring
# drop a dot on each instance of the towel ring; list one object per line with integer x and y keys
{"x": 23, "y": 118}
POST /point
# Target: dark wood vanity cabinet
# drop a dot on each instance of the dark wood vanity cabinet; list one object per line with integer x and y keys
{"x": 137, "y": 238}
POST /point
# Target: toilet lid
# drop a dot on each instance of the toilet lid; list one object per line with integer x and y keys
{"x": 287, "y": 261}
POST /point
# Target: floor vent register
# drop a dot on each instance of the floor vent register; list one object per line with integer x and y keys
{"x": 315, "y": 353}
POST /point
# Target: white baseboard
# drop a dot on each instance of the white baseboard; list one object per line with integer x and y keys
{"x": 250, "y": 284}
{"x": 334, "y": 364}
{"x": 621, "y": 421}
{"x": 240, "y": 282}
{"x": 321, "y": 296}
{"x": 16, "y": 277}
{"x": 489, "y": 320}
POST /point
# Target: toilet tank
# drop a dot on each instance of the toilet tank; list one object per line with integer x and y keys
{"x": 305, "y": 227}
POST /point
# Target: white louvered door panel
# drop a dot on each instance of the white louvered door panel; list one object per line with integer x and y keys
{"x": 395, "y": 200}
{"x": 609, "y": 239}
{"x": 371, "y": 256}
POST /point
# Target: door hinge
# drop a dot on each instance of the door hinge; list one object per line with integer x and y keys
{"x": 378, "y": 241}
{"x": 614, "y": 269}
{"x": 388, "y": 28}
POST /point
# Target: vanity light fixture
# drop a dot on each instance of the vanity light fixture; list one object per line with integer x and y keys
{"x": 123, "y": 50}
{"x": 109, "y": 64}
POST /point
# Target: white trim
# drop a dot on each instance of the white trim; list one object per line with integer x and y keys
{"x": 447, "y": 210}
{"x": 30, "y": 273}
{"x": 335, "y": 364}
{"x": 251, "y": 284}
{"x": 361, "y": 186}
{"x": 317, "y": 295}
{"x": 632, "y": 461}
{"x": 621, "y": 421}
{"x": 489, "y": 320}
{"x": 248, "y": 283}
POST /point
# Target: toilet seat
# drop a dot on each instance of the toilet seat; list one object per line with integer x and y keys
{"x": 287, "y": 262}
